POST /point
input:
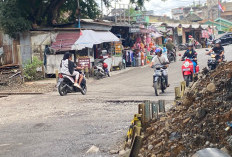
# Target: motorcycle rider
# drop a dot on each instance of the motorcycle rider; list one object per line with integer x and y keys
{"x": 192, "y": 55}
{"x": 219, "y": 51}
{"x": 163, "y": 60}
{"x": 68, "y": 67}
{"x": 170, "y": 46}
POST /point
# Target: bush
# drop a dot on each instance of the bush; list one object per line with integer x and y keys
{"x": 30, "y": 69}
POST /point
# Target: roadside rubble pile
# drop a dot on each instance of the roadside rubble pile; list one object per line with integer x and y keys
{"x": 202, "y": 119}
{"x": 10, "y": 76}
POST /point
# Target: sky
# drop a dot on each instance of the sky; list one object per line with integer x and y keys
{"x": 164, "y": 8}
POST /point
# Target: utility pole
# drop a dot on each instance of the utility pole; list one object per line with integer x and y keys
{"x": 102, "y": 9}
{"x": 79, "y": 14}
{"x": 116, "y": 11}
{"x": 219, "y": 15}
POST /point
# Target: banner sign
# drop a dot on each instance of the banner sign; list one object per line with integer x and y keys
{"x": 84, "y": 62}
{"x": 118, "y": 47}
{"x": 134, "y": 30}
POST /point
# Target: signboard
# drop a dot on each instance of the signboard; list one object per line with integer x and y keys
{"x": 84, "y": 62}
{"x": 161, "y": 29}
{"x": 118, "y": 47}
{"x": 142, "y": 19}
{"x": 134, "y": 30}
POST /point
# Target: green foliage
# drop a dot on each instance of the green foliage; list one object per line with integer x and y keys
{"x": 88, "y": 9}
{"x": 30, "y": 69}
{"x": 11, "y": 20}
{"x": 19, "y": 15}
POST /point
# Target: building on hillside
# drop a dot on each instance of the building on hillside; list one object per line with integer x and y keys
{"x": 157, "y": 18}
{"x": 212, "y": 12}
{"x": 192, "y": 17}
{"x": 182, "y": 12}
{"x": 227, "y": 14}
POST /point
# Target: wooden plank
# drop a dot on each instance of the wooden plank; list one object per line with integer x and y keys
{"x": 136, "y": 146}
{"x": 147, "y": 111}
{"x": 8, "y": 58}
{"x": 182, "y": 88}
{"x": 161, "y": 105}
{"x": 57, "y": 75}
{"x": 142, "y": 112}
{"x": 177, "y": 93}
{"x": 7, "y": 66}
{"x": 15, "y": 52}
{"x": 155, "y": 110}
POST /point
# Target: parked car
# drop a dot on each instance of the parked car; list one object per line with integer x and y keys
{"x": 226, "y": 39}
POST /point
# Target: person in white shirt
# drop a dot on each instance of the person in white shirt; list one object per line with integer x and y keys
{"x": 163, "y": 60}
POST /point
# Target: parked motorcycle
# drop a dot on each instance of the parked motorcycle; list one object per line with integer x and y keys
{"x": 187, "y": 71}
{"x": 101, "y": 70}
{"x": 66, "y": 85}
{"x": 171, "y": 56}
{"x": 182, "y": 47}
{"x": 159, "y": 82}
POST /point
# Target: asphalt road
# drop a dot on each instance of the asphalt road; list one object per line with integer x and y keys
{"x": 54, "y": 126}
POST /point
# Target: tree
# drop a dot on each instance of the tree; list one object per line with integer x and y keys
{"x": 19, "y": 15}
{"x": 11, "y": 19}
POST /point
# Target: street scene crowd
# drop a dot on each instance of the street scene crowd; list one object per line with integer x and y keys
{"x": 72, "y": 74}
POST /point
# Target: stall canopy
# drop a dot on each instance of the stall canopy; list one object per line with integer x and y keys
{"x": 66, "y": 41}
{"x": 90, "y": 38}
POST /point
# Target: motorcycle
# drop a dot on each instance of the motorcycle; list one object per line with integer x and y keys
{"x": 212, "y": 62}
{"x": 171, "y": 56}
{"x": 182, "y": 47}
{"x": 197, "y": 45}
{"x": 159, "y": 82}
{"x": 66, "y": 85}
{"x": 101, "y": 70}
{"x": 187, "y": 71}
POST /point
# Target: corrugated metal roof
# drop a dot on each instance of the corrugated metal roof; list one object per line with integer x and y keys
{"x": 65, "y": 40}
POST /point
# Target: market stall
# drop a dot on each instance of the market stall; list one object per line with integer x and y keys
{"x": 81, "y": 44}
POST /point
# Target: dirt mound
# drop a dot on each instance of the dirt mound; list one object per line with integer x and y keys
{"x": 198, "y": 122}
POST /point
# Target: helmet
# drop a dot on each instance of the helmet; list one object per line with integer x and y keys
{"x": 190, "y": 45}
{"x": 105, "y": 65}
{"x": 218, "y": 41}
{"x": 190, "y": 36}
{"x": 158, "y": 50}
